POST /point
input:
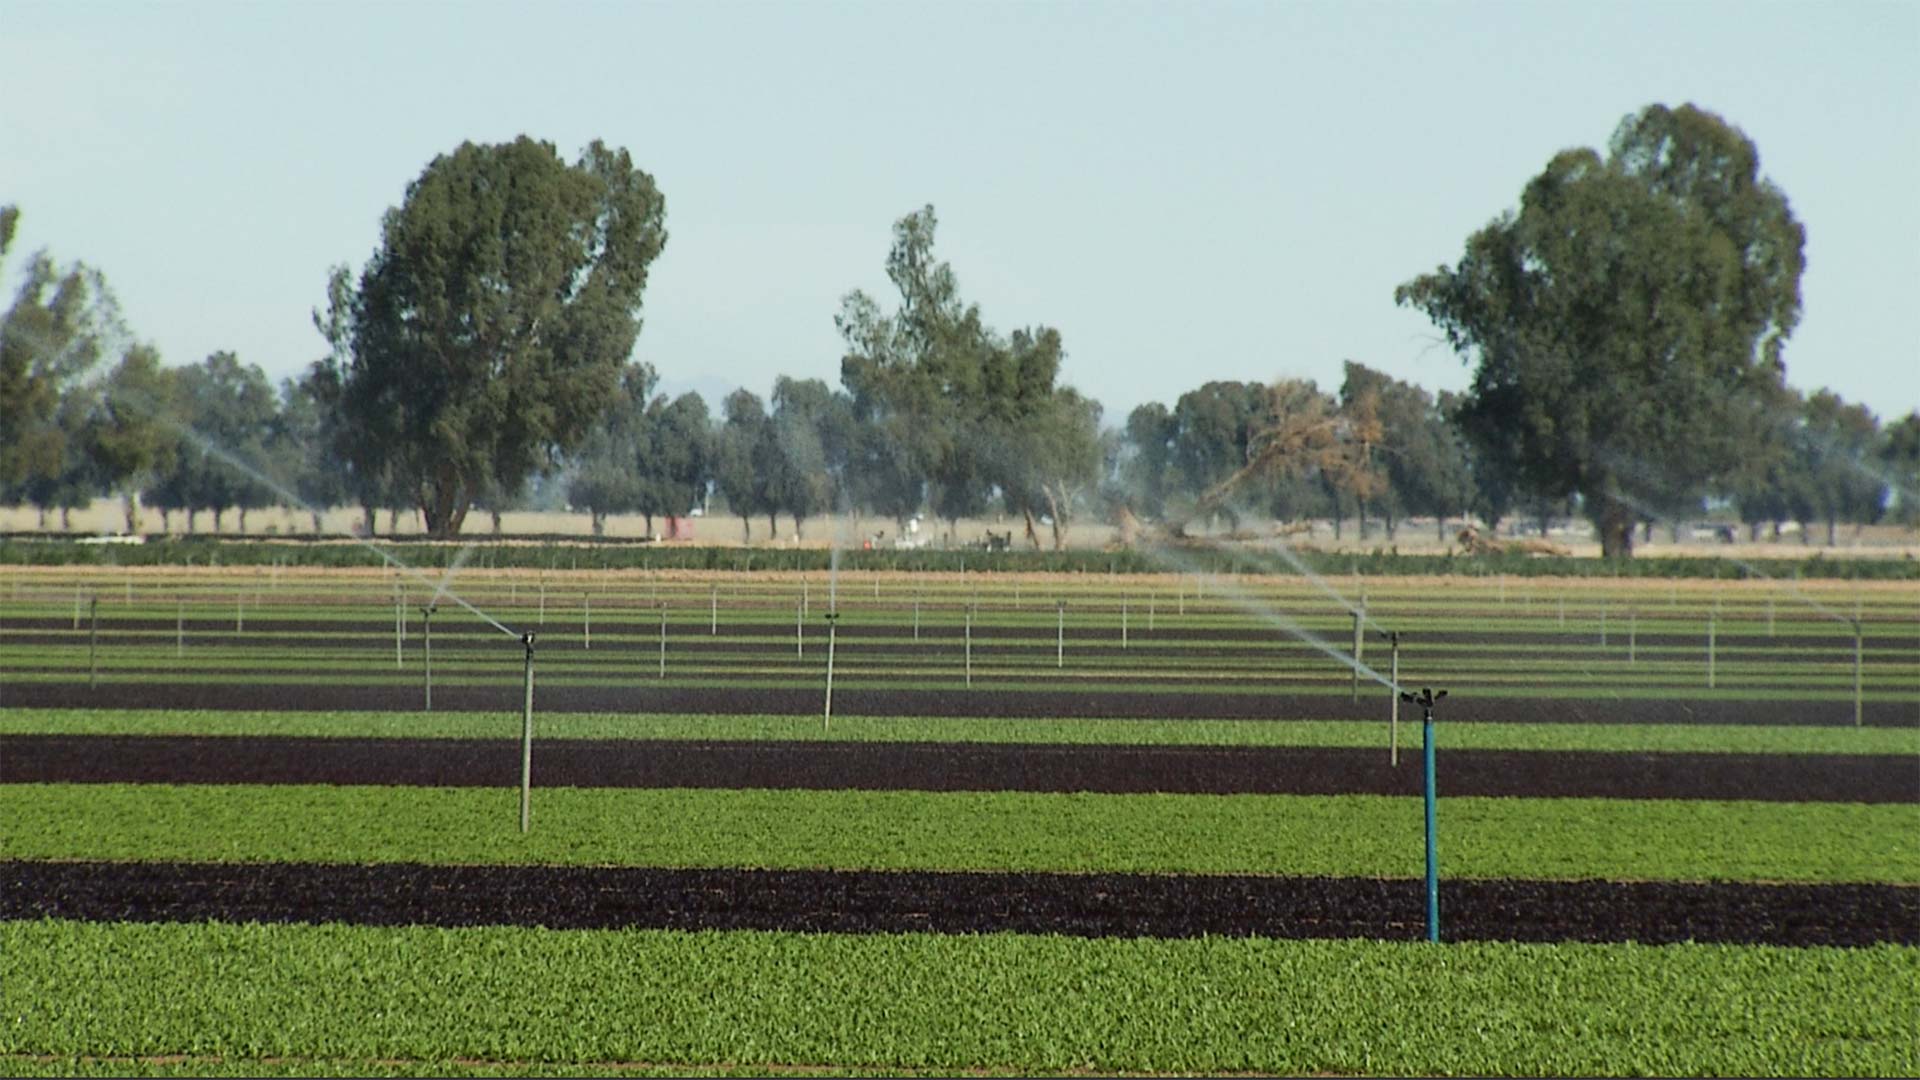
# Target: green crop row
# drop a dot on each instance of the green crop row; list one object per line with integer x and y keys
{"x": 1463, "y": 735}
{"x": 400, "y": 998}
{"x": 1347, "y": 835}
{"x": 579, "y": 553}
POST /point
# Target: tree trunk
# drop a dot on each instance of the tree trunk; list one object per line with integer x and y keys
{"x": 66, "y": 519}
{"x": 1806, "y": 534}
{"x": 799, "y": 527}
{"x": 43, "y": 517}
{"x": 1440, "y": 527}
{"x": 1393, "y": 524}
{"x": 1053, "y": 511}
{"x": 746, "y": 528}
{"x": 1753, "y": 532}
{"x": 166, "y": 519}
{"x": 243, "y": 519}
{"x": 1033, "y": 535}
{"x": 193, "y": 520}
{"x": 316, "y": 521}
{"x": 367, "y": 520}
{"x": 219, "y": 519}
{"x": 130, "y": 505}
{"x": 496, "y": 521}
{"x": 1614, "y": 522}
{"x": 773, "y": 526}
{"x": 1832, "y": 527}
{"x": 599, "y": 521}
{"x": 1363, "y": 520}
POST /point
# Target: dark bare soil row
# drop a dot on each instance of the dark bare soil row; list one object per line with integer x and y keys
{"x": 1092, "y": 905}
{"x": 1065, "y": 703}
{"x": 950, "y": 767}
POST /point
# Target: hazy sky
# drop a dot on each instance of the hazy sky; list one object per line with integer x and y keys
{"x": 1187, "y": 191}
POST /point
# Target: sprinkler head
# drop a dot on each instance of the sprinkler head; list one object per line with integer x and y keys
{"x": 527, "y": 640}
{"x": 832, "y": 616}
{"x": 1425, "y": 698}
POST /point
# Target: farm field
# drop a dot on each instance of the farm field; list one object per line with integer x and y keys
{"x": 1054, "y": 824}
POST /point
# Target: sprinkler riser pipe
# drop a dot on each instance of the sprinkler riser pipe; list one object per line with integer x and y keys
{"x": 826, "y": 715}
{"x": 1393, "y": 695}
{"x": 1859, "y": 649}
{"x": 426, "y": 652}
{"x": 1433, "y": 848}
{"x": 526, "y": 744}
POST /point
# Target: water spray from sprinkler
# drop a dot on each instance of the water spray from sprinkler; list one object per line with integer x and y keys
{"x": 1252, "y": 606}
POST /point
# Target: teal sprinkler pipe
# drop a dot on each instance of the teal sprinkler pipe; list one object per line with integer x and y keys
{"x": 1425, "y": 699}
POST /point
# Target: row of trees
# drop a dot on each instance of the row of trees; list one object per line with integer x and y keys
{"x": 1626, "y": 325}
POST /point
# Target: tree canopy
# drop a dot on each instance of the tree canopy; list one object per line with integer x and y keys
{"x": 1628, "y": 320}
{"x": 489, "y": 329}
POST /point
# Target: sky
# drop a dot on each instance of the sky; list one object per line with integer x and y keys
{"x": 1187, "y": 191}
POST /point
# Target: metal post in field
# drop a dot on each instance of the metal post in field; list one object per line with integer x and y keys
{"x": 179, "y": 627}
{"x": 826, "y": 716}
{"x": 1060, "y": 634}
{"x": 426, "y": 651}
{"x": 586, "y": 621}
{"x": 1393, "y": 719}
{"x": 240, "y": 613}
{"x": 1712, "y": 621}
{"x": 969, "y": 633}
{"x": 713, "y": 612}
{"x": 1123, "y": 624}
{"x": 1359, "y": 643}
{"x": 799, "y": 636}
{"x": 526, "y": 742}
{"x": 916, "y": 618}
{"x": 399, "y": 630}
{"x": 1859, "y": 650}
{"x": 663, "y": 641}
{"x": 1603, "y": 624}
{"x": 1633, "y": 626}
{"x": 93, "y": 643}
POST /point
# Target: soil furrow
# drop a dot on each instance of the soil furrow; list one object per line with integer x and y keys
{"x": 883, "y": 766}
{"x": 1090, "y": 905}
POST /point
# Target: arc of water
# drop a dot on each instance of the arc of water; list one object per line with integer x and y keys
{"x": 1252, "y": 606}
